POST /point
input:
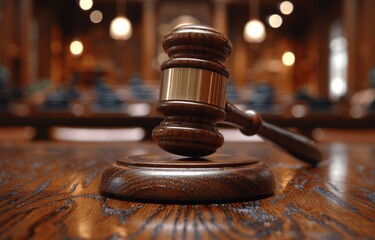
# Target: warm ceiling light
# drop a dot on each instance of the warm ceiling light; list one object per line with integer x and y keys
{"x": 121, "y": 28}
{"x": 254, "y": 31}
{"x": 286, "y": 7}
{"x": 85, "y": 4}
{"x": 288, "y": 58}
{"x": 275, "y": 21}
{"x": 96, "y": 16}
{"x": 76, "y": 47}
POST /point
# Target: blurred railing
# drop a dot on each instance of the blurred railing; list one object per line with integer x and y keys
{"x": 111, "y": 126}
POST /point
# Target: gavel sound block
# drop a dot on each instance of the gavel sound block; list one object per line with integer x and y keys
{"x": 193, "y": 100}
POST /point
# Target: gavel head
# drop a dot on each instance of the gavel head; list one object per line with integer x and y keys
{"x": 193, "y": 91}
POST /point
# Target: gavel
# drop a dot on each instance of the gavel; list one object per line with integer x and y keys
{"x": 193, "y": 99}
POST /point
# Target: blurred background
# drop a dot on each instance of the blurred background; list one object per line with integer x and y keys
{"x": 90, "y": 69}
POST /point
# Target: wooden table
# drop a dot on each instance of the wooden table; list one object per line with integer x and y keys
{"x": 49, "y": 190}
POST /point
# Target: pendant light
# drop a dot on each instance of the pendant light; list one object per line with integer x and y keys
{"x": 254, "y": 31}
{"x": 120, "y": 28}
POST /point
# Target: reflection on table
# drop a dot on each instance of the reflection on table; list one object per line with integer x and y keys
{"x": 49, "y": 190}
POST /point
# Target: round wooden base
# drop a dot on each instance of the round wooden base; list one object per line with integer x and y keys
{"x": 169, "y": 178}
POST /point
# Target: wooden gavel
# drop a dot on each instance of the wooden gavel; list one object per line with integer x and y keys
{"x": 193, "y": 99}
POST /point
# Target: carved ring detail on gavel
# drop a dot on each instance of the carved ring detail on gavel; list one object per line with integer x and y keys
{"x": 193, "y": 99}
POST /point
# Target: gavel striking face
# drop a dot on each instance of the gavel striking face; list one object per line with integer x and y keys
{"x": 193, "y": 99}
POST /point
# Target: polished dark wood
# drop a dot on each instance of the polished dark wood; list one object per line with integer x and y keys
{"x": 189, "y": 128}
{"x": 250, "y": 123}
{"x": 50, "y": 190}
{"x": 197, "y": 47}
{"x": 168, "y": 178}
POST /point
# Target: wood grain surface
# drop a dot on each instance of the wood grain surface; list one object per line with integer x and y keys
{"x": 50, "y": 190}
{"x": 169, "y": 178}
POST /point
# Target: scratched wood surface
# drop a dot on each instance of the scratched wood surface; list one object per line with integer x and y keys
{"x": 50, "y": 191}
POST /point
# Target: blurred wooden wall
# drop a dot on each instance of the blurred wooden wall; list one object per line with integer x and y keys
{"x": 35, "y": 38}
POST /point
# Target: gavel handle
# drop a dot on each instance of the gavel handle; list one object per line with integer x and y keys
{"x": 251, "y": 123}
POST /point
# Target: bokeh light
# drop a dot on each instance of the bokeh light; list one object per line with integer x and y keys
{"x": 288, "y": 58}
{"x": 121, "y": 28}
{"x": 96, "y": 16}
{"x": 85, "y": 4}
{"x": 254, "y": 31}
{"x": 275, "y": 21}
{"x": 76, "y": 48}
{"x": 286, "y": 7}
